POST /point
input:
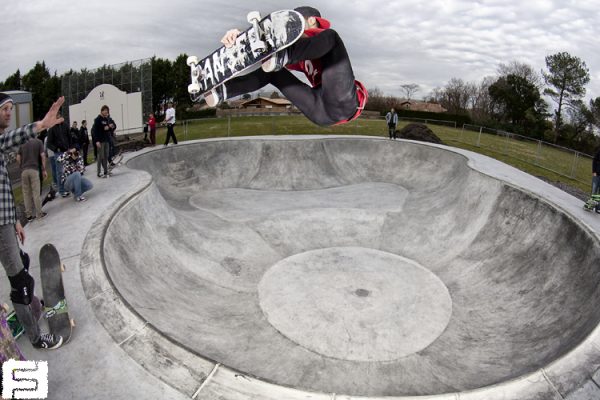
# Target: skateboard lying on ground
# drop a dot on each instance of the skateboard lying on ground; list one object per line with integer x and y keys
{"x": 265, "y": 37}
{"x": 55, "y": 304}
{"x": 116, "y": 161}
{"x": 593, "y": 203}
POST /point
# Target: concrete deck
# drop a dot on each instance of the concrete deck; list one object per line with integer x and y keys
{"x": 302, "y": 267}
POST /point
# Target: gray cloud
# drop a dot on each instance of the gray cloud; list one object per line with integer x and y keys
{"x": 390, "y": 43}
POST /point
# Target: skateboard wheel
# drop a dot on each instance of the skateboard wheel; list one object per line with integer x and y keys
{"x": 62, "y": 267}
{"x": 253, "y": 16}
{"x": 192, "y": 60}
{"x": 193, "y": 88}
{"x": 72, "y": 322}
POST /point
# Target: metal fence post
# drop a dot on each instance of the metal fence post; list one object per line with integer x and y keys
{"x": 479, "y": 137}
{"x": 575, "y": 163}
{"x": 538, "y": 153}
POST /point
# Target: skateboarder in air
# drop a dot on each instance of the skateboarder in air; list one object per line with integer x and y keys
{"x": 333, "y": 97}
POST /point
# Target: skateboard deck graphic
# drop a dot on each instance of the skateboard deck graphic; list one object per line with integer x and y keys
{"x": 265, "y": 37}
{"x": 8, "y": 345}
{"x": 55, "y": 304}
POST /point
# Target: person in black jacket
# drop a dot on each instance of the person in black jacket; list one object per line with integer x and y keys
{"x": 59, "y": 141}
{"x": 84, "y": 141}
{"x": 103, "y": 128}
{"x": 596, "y": 173}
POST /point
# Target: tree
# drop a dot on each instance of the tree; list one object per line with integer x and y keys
{"x": 514, "y": 95}
{"x": 523, "y": 70}
{"x": 595, "y": 111}
{"x": 181, "y": 80}
{"x": 567, "y": 76}
{"x": 409, "y": 89}
{"x": 13, "y": 82}
{"x": 482, "y": 103}
{"x": 456, "y": 96}
{"x": 162, "y": 90}
{"x": 44, "y": 87}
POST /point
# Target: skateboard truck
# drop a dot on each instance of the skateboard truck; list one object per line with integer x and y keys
{"x": 194, "y": 87}
{"x": 257, "y": 44}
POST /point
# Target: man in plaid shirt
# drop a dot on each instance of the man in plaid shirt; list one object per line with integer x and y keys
{"x": 21, "y": 283}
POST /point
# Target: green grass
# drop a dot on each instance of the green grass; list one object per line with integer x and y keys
{"x": 526, "y": 155}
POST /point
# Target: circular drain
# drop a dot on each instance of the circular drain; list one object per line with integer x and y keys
{"x": 355, "y": 303}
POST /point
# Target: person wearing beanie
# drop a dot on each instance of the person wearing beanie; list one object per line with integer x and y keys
{"x": 11, "y": 231}
{"x": 333, "y": 96}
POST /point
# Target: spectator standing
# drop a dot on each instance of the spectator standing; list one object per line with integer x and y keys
{"x": 101, "y": 132}
{"x": 170, "y": 121}
{"x": 59, "y": 141}
{"x": 392, "y": 121}
{"x": 152, "y": 126}
{"x": 84, "y": 141}
{"x": 32, "y": 158}
{"x": 74, "y": 131}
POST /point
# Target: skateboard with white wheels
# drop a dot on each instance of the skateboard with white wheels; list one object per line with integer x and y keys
{"x": 56, "y": 309}
{"x": 265, "y": 37}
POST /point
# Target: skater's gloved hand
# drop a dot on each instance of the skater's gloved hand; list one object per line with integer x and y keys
{"x": 229, "y": 38}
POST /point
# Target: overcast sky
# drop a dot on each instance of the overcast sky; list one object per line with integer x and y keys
{"x": 391, "y": 43}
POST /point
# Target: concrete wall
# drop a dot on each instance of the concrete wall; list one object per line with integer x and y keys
{"x": 125, "y": 108}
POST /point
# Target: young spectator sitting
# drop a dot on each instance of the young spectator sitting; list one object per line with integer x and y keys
{"x": 72, "y": 176}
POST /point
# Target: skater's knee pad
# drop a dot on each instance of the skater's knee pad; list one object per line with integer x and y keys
{"x": 22, "y": 286}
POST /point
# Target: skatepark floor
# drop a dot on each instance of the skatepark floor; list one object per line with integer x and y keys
{"x": 93, "y": 365}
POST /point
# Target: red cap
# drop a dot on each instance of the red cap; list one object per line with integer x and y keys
{"x": 308, "y": 12}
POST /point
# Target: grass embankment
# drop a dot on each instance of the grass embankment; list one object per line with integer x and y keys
{"x": 512, "y": 152}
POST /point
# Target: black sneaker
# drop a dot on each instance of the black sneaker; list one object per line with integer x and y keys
{"x": 65, "y": 194}
{"x": 275, "y": 62}
{"x": 30, "y": 218}
{"x": 216, "y": 96}
{"x": 47, "y": 341}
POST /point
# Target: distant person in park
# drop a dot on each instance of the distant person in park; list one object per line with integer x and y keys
{"x": 333, "y": 96}
{"x": 102, "y": 131}
{"x": 84, "y": 141}
{"x": 170, "y": 121}
{"x": 31, "y": 157}
{"x": 59, "y": 141}
{"x": 73, "y": 174}
{"x": 74, "y": 131}
{"x": 152, "y": 127}
{"x": 11, "y": 232}
{"x": 392, "y": 122}
{"x": 596, "y": 173}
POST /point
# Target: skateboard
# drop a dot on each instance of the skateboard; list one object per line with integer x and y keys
{"x": 51, "y": 195}
{"x": 593, "y": 203}
{"x": 116, "y": 161}
{"x": 265, "y": 37}
{"x": 55, "y": 304}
